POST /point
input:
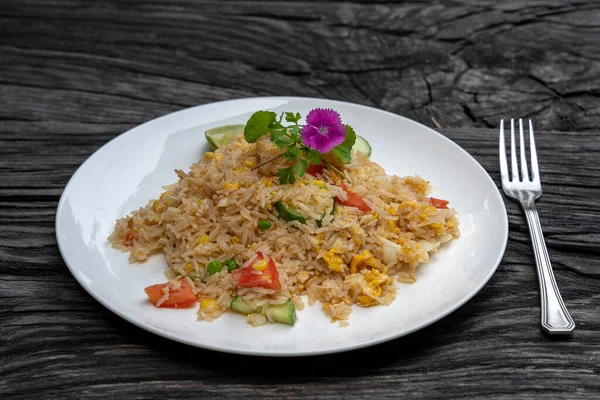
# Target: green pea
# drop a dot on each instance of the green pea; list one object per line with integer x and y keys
{"x": 231, "y": 265}
{"x": 264, "y": 224}
{"x": 214, "y": 266}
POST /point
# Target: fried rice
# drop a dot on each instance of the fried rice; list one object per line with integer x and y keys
{"x": 340, "y": 256}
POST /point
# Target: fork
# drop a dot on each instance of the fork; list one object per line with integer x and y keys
{"x": 526, "y": 190}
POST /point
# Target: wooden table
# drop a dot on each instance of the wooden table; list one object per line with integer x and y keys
{"x": 75, "y": 74}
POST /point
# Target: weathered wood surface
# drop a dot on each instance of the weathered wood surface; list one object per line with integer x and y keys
{"x": 75, "y": 74}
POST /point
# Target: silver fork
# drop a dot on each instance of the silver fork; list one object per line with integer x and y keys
{"x": 525, "y": 191}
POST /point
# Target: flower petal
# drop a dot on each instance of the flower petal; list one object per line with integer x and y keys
{"x": 323, "y": 116}
{"x": 313, "y": 138}
{"x": 323, "y": 130}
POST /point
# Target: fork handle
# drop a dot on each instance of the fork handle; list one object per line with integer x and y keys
{"x": 555, "y": 317}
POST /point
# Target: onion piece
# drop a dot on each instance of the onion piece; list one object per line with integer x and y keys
{"x": 390, "y": 250}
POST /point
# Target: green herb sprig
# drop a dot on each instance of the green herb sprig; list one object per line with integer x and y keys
{"x": 287, "y": 137}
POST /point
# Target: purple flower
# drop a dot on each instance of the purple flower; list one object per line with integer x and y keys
{"x": 323, "y": 130}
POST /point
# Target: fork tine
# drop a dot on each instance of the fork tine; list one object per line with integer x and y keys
{"x": 524, "y": 170}
{"x": 535, "y": 172}
{"x": 502, "y": 152}
{"x": 514, "y": 168}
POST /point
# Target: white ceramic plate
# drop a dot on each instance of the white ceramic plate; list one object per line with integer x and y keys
{"x": 131, "y": 169}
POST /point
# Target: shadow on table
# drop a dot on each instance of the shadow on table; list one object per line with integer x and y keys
{"x": 271, "y": 369}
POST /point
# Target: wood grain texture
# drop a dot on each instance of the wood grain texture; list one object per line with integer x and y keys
{"x": 75, "y": 74}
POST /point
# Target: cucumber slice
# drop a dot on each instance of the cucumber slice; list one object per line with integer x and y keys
{"x": 223, "y": 135}
{"x": 320, "y": 221}
{"x": 239, "y": 304}
{"x": 288, "y": 213}
{"x": 362, "y": 145}
{"x": 284, "y": 313}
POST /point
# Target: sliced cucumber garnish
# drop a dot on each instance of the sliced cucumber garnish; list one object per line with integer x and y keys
{"x": 320, "y": 221}
{"x": 288, "y": 213}
{"x": 239, "y": 304}
{"x": 362, "y": 145}
{"x": 284, "y": 313}
{"x": 223, "y": 135}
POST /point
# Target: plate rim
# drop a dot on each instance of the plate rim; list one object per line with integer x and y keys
{"x": 271, "y": 353}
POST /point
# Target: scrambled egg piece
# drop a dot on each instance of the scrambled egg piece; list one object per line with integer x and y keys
{"x": 392, "y": 226}
{"x": 207, "y": 303}
{"x": 425, "y": 210}
{"x": 419, "y": 185}
{"x": 364, "y": 260}
{"x": 334, "y": 261}
{"x": 437, "y": 228}
{"x": 375, "y": 279}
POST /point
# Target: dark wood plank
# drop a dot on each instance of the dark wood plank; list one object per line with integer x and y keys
{"x": 467, "y": 64}
{"x": 76, "y": 74}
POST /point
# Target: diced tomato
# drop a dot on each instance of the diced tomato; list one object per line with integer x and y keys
{"x": 438, "y": 203}
{"x": 314, "y": 169}
{"x": 128, "y": 241}
{"x": 180, "y": 298}
{"x": 353, "y": 200}
{"x": 268, "y": 278}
